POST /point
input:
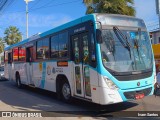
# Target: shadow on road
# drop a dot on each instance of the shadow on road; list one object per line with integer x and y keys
{"x": 30, "y": 98}
{"x": 3, "y": 80}
{"x": 157, "y": 93}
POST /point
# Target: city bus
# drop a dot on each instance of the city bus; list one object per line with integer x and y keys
{"x": 101, "y": 58}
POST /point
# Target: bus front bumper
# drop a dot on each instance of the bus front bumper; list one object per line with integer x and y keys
{"x": 130, "y": 94}
{"x": 108, "y": 96}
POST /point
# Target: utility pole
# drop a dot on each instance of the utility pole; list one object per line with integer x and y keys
{"x": 159, "y": 20}
{"x": 27, "y": 1}
{"x": 158, "y": 10}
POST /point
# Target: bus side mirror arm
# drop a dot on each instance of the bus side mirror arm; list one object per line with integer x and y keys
{"x": 99, "y": 36}
{"x": 99, "y": 32}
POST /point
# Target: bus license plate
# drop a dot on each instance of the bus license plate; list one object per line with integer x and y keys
{"x": 139, "y": 96}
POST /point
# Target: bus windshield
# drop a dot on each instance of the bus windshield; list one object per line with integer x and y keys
{"x": 126, "y": 50}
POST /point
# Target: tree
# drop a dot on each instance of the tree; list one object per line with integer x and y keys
{"x": 12, "y": 35}
{"x": 1, "y": 45}
{"x": 124, "y": 7}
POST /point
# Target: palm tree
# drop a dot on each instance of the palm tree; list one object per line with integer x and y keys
{"x": 124, "y": 7}
{"x": 12, "y": 35}
{"x": 1, "y": 45}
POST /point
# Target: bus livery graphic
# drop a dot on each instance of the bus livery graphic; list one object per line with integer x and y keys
{"x": 102, "y": 58}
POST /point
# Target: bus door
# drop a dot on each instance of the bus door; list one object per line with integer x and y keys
{"x": 80, "y": 48}
{"x": 10, "y": 66}
{"x": 29, "y": 66}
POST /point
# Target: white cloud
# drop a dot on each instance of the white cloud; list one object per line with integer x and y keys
{"x": 48, "y": 20}
{"x": 35, "y": 20}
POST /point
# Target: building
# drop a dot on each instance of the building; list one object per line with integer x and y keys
{"x": 1, "y": 58}
{"x": 155, "y": 38}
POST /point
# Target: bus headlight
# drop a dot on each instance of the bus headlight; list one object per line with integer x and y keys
{"x": 110, "y": 83}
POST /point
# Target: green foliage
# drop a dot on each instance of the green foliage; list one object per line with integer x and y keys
{"x": 1, "y": 45}
{"x": 124, "y": 7}
{"x": 12, "y": 35}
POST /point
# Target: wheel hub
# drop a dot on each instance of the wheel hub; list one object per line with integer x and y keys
{"x": 66, "y": 91}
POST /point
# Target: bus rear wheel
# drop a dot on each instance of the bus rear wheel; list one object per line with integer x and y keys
{"x": 66, "y": 92}
{"x": 18, "y": 82}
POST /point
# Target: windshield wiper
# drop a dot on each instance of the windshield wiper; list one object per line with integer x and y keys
{"x": 119, "y": 33}
{"x": 122, "y": 38}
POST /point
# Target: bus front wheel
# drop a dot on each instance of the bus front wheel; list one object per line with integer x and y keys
{"x": 66, "y": 92}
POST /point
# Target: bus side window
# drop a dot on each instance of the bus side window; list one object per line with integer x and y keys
{"x": 39, "y": 51}
{"x": 5, "y": 57}
{"x": 29, "y": 54}
{"x": 55, "y": 46}
{"x": 63, "y": 45}
{"x": 9, "y": 57}
{"x": 45, "y": 47}
{"x": 42, "y": 51}
{"x": 15, "y": 54}
{"x": 29, "y": 58}
{"x": 22, "y": 54}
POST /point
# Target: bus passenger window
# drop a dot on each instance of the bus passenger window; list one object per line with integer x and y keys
{"x": 29, "y": 54}
{"x": 9, "y": 57}
{"x": 63, "y": 49}
{"x": 15, "y": 54}
{"x": 43, "y": 48}
{"x": 6, "y": 56}
{"x": 59, "y": 45}
{"x": 22, "y": 54}
{"x": 39, "y": 50}
{"x": 54, "y": 46}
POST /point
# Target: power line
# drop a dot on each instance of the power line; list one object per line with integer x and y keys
{"x": 45, "y": 4}
{"x": 2, "y": 4}
{"x": 23, "y": 11}
{"x": 9, "y": 3}
{"x": 55, "y": 5}
{"x": 35, "y": 4}
{"x": 5, "y": 6}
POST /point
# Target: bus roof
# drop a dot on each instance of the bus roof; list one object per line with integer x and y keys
{"x": 120, "y": 20}
{"x": 54, "y": 30}
{"x": 64, "y": 26}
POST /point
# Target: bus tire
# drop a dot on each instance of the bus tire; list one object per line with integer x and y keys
{"x": 66, "y": 92}
{"x": 18, "y": 82}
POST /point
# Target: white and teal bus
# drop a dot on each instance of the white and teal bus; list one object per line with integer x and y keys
{"x": 102, "y": 58}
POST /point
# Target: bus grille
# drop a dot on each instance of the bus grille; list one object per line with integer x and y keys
{"x": 131, "y": 95}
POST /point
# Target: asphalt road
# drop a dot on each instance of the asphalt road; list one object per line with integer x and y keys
{"x": 30, "y": 99}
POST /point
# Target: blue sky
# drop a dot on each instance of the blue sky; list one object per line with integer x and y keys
{"x": 47, "y": 14}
